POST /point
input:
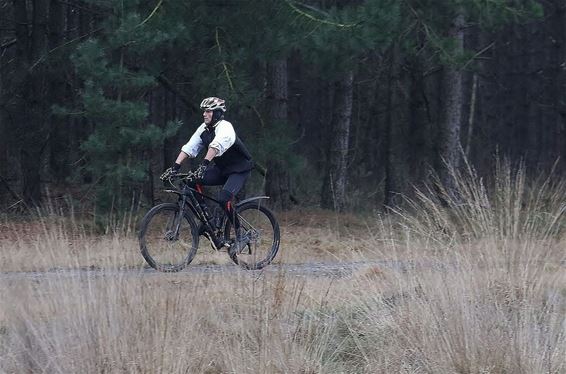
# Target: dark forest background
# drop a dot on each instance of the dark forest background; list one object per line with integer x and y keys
{"x": 344, "y": 103}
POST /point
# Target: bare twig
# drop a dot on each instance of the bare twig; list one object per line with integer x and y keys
{"x": 226, "y": 71}
{"x": 8, "y": 44}
{"x": 44, "y": 57}
{"x": 151, "y": 14}
{"x": 471, "y": 116}
{"x": 318, "y": 20}
{"x": 478, "y": 54}
{"x": 14, "y": 194}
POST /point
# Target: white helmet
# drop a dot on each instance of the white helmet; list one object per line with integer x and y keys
{"x": 213, "y": 103}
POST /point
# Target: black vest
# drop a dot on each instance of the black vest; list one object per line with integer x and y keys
{"x": 236, "y": 159}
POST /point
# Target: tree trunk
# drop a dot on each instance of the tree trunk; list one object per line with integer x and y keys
{"x": 556, "y": 90}
{"x": 561, "y": 138}
{"x": 419, "y": 152}
{"x": 25, "y": 105}
{"x": 334, "y": 187}
{"x": 451, "y": 120}
{"x": 4, "y": 141}
{"x": 59, "y": 134}
{"x": 277, "y": 183}
{"x": 34, "y": 137}
{"x": 395, "y": 155}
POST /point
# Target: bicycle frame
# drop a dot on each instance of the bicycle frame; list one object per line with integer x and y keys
{"x": 188, "y": 199}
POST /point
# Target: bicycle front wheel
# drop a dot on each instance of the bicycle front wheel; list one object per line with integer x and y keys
{"x": 168, "y": 238}
{"x": 258, "y": 234}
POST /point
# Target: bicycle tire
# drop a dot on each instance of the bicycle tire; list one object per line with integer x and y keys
{"x": 267, "y": 220}
{"x": 153, "y": 238}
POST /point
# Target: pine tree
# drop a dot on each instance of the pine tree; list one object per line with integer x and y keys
{"x": 443, "y": 25}
{"x": 339, "y": 37}
{"x": 113, "y": 91}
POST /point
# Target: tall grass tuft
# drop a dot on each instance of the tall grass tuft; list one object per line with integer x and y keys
{"x": 487, "y": 292}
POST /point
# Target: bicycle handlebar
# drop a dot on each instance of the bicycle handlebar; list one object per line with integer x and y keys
{"x": 184, "y": 177}
{"x": 189, "y": 177}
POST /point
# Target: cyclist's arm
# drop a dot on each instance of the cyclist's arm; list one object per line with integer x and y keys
{"x": 193, "y": 146}
{"x": 210, "y": 154}
{"x": 182, "y": 157}
{"x": 224, "y": 139}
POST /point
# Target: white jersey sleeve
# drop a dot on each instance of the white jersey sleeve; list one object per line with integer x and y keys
{"x": 224, "y": 138}
{"x": 194, "y": 146}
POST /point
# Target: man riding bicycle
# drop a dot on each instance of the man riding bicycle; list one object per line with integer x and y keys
{"x": 232, "y": 160}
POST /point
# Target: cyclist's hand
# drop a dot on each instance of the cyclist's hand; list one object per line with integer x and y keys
{"x": 167, "y": 174}
{"x": 190, "y": 177}
{"x": 199, "y": 172}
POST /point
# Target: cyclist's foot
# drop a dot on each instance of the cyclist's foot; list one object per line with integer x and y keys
{"x": 215, "y": 244}
{"x": 218, "y": 244}
{"x": 237, "y": 246}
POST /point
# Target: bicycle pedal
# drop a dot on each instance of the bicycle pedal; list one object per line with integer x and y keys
{"x": 237, "y": 248}
{"x": 216, "y": 246}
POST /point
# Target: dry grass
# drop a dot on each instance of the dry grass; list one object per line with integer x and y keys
{"x": 53, "y": 242}
{"x": 489, "y": 298}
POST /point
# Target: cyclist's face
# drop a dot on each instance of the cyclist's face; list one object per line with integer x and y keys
{"x": 207, "y": 114}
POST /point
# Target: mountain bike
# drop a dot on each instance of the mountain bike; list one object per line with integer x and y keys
{"x": 170, "y": 233}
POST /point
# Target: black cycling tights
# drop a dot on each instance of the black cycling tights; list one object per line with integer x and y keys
{"x": 232, "y": 184}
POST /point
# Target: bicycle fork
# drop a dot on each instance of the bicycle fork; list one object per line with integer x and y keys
{"x": 173, "y": 234}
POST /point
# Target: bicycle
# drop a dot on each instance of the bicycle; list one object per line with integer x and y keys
{"x": 170, "y": 232}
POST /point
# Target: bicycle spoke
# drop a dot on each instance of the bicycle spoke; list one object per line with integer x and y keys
{"x": 167, "y": 239}
{"x": 257, "y": 240}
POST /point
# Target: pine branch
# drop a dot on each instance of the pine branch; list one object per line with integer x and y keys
{"x": 318, "y": 20}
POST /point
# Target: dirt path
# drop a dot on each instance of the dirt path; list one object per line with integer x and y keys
{"x": 315, "y": 269}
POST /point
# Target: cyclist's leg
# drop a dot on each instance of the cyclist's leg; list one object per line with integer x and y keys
{"x": 233, "y": 185}
{"x": 213, "y": 177}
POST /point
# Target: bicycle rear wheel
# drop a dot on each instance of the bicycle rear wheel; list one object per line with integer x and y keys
{"x": 168, "y": 241}
{"x": 259, "y": 233}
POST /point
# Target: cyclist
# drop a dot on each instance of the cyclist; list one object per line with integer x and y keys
{"x": 232, "y": 161}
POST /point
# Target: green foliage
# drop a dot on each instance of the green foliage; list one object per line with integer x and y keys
{"x": 497, "y": 13}
{"x": 112, "y": 98}
{"x": 338, "y": 37}
{"x": 432, "y": 20}
{"x": 222, "y": 49}
{"x": 275, "y": 142}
